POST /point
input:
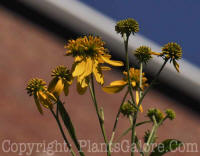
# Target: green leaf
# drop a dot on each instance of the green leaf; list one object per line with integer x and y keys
{"x": 68, "y": 124}
{"x": 166, "y": 146}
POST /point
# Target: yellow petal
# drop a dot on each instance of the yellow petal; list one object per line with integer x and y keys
{"x": 111, "y": 62}
{"x": 105, "y": 68}
{"x": 51, "y": 96}
{"x": 176, "y": 65}
{"x": 133, "y": 83}
{"x": 137, "y": 97}
{"x": 78, "y": 59}
{"x": 88, "y": 69}
{"x": 156, "y": 53}
{"x": 137, "y": 100}
{"x": 97, "y": 73}
{"x": 79, "y": 68}
{"x": 118, "y": 83}
{"x": 43, "y": 99}
{"x": 38, "y": 104}
{"x": 58, "y": 87}
{"x": 112, "y": 89}
{"x": 81, "y": 90}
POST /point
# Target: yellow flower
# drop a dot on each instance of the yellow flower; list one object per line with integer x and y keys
{"x": 171, "y": 51}
{"x": 62, "y": 79}
{"x": 117, "y": 86}
{"x": 38, "y": 89}
{"x": 89, "y": 54}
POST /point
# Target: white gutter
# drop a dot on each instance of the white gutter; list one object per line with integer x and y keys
{"x": 84, "y": 20}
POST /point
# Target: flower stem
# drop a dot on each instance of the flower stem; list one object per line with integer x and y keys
{"x": 140, "y": 89}
{"x": 101, "y": 121}
{"x": 142, "y": 97}
{"x": 62, "y": 132}
{"x": 128, "y": 67}
{"x": 152, "y": 83}
{"x": 117, "y": 118}
{"x": 130, "y": 89}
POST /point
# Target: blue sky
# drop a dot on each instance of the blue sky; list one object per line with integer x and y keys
{"x": 162, "y": 21}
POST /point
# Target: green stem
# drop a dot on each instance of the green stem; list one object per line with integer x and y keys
{"x": 127, "y": 68}
{"x": 151, "y": 136}
{"x": 130, "y": 88}
{"x": 141, "y": 99}
{"x": 62, "y": 132}
{"x": 140, "y": 90}
{"x": 117, "y": 118}
{"x": 152, "y": 83}
{"x": 129, "y": 129}
{"x": 101, "y": 121}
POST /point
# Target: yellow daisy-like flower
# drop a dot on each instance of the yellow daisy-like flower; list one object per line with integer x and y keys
{"x": 38, "y": 89}
{"x": 171, "y": 51}
{"x": 89, "y": 54}
{"x": 62, "y": 79}
{"x": 117, "y": 86}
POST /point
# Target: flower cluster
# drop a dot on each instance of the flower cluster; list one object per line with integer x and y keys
{"x": 90, "y": 56}
{"x": 159, "y": 116}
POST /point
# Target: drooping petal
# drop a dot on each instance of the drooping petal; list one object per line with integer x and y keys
{"x": 38, "y": 104}
{"x": 111, "y": 62}
{"x": 58, "y": 87}
{"x": 85, "y": 82}
{"x": 51, "y": 96}
{"x": 138, "y": 99}
{"x": 81, "y": 90}
{"x": 118, "y": 83}
{"x": 43, "y": 99}
{"x": 79, "y": 68}
{"x": 97, "y": 73}
{"x": 88, "y": 69}
{"x": 112, "y": 89}
{"x": 176, "y": 65}
{"x": 52, "y": 84}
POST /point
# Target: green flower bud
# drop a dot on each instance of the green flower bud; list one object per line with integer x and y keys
{"x": 35, "y": 85}
{"x": 143, "y": 54}
{"x": 172, "y": 51}
{"x": 170, "y": 114}
{"x": 157, "y": 113}
{"x": 127, "y": 26}
{"x": 62, "y": 72}
{"x": 127, "y": 109}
